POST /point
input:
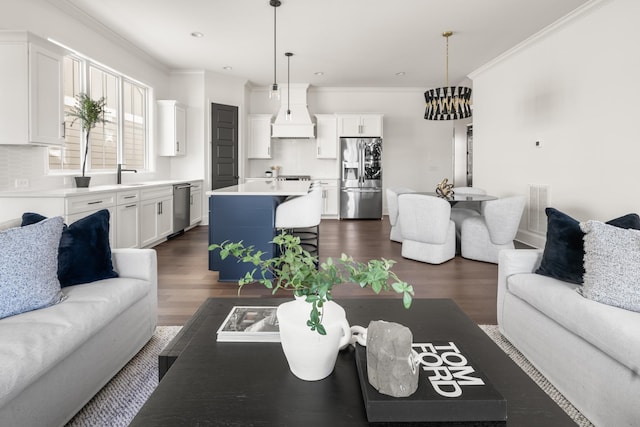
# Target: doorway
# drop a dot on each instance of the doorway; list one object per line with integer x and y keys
{"x": 224, "y": 145}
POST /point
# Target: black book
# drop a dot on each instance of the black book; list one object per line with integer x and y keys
{"x": 450, "y": 390}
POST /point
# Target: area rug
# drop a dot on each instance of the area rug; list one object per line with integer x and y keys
{"x": 121, "y": 399}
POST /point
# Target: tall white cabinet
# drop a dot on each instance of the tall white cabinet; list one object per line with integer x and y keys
{"x": 326, "y": 136}
{"x": 259, "y": 141}
{"x": 31, "y": 84}
{"x": 172, "y": 128}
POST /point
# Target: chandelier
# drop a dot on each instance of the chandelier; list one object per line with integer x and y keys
{"x": 449, "y": 102}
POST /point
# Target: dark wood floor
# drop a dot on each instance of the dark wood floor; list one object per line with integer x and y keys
{"x": 184, "y": 280}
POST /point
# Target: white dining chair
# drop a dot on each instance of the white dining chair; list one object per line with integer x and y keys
{"x": 428, "y": 234}
{"x": 484, "y": 236}
{"x": 392, "y": 207}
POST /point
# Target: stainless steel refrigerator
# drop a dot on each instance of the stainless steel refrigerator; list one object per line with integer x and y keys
{"x": 361, "y": 178}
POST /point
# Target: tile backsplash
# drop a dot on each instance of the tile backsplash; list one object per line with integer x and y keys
{"x": 28, "y": 166}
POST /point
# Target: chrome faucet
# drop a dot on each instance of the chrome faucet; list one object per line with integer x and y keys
{"x": 120, "y": 170}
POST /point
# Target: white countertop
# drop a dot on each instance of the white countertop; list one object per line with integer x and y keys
{"x": 66, "y": 192}
{"x": 264, "y": 188}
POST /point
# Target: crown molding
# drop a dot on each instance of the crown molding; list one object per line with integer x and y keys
{"x": 92, "y": 23}
{"x": 545, "y": 32}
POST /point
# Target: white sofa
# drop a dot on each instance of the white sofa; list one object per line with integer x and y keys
{"x": 588, "y": 350}
{"x": 54, "y": 360}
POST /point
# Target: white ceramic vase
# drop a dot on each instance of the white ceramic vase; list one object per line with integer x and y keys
{"x": 312, "y": 356}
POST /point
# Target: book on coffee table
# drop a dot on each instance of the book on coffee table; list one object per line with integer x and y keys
{"x": 250, "y": 324}
{"x": 450, "y": 389}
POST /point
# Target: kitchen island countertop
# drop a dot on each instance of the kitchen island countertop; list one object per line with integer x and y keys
{"x": 264, "y": 188}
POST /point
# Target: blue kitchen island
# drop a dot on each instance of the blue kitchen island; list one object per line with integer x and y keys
{"x": 246, "y": 212}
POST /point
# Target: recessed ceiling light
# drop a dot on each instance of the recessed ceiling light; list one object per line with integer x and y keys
{"x": 227, "y": 68}
{"x": 197, "y": 34}
{"x": 319, "y": 73}
{"x": 400, "y": 73}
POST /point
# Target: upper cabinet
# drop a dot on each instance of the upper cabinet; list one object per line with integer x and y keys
{"x": 31, "y": 84}
{"x": 327, "y": 136}
{"x": 360, "y": 125}
{"x": 172, "y": 128}
{"x": 259, "y": 141}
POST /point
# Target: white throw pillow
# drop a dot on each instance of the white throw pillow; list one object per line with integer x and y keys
{"x": 29, "y": 267}
{"x": 612, "y": 265}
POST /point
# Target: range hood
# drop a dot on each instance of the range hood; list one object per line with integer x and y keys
{"x": 300, "y": 125}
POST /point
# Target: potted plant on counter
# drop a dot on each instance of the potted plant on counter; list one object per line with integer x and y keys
{"x": 90, "y": 112}
{"x": 312, "y": 327}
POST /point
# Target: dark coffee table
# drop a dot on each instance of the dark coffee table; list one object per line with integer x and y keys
{"x": 249, "y": 384}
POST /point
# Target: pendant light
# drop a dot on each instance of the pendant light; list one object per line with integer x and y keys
{"x": 449, "y": 102}
{"x": 288, "y": 55}
{"x": 274, "y": 93}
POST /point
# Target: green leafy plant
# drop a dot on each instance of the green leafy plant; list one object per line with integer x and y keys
{"x": 296, "y": 270}
{"x": 90, "y": 112}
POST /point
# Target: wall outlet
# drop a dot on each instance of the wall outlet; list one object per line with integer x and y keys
{"x": 22, "y": 183}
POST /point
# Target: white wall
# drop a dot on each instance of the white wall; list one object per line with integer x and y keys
{"x": 197, "y": 90}
{"x": 416, "y": 152}
{"x": 575, "y": 89}
{"x": 45, "y": 20}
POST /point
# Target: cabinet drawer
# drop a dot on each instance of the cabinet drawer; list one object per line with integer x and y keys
{"x": 92, "y": 202}
{"x": 126, "y": 197}
{"x": 153, "y": 193}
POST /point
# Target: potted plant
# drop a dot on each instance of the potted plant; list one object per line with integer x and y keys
{"x": 90, "y": 112}
{"x": 312, "y": 327}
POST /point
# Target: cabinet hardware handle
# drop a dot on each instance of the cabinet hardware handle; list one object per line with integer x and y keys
{"x": 159, "y": 208}
{"x": 64, "y": 131}
{"x": 130, "y": 197}
{"x": 94, "y": 203}
{"x": 178, "y": 146}
{"x": 130, "y": 206}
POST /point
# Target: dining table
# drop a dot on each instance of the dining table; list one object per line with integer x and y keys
{"x": 461, "y": 197}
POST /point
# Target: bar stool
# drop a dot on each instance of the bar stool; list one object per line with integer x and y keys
{"x": 301, "y": 217}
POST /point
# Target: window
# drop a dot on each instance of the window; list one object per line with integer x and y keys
{"x": 68, "y": 157}
{"x": 123, "y": 139}
{"x": 134, "y": 135}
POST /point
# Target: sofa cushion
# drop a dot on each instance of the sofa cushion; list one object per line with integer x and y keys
{"x": 85, "y": 254}
{"x": 28, "y": 266}
{"x": 564, "y": 249}
{"x": 38, "y": 340}
{"x": 612, "y": 265}
{"x": 612, "y": 330}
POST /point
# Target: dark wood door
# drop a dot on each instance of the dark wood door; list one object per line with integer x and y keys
{"x": 224, "y": 145}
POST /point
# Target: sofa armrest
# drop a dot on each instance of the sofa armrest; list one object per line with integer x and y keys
{"x": 514, "y": 261}
{"x": 136, "y": 263}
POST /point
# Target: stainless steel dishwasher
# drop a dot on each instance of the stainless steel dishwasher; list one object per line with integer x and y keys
{"x": 181, "y": 207}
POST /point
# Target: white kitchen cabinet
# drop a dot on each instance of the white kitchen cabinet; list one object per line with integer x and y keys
{"x": 329, "y": 197}
{"x": 326, "y": 136}
{"x": 259, "y": 141}
{"x": 78, "y": 207}
{"x": 156, "y": 214}
{"x": 195, "y": 212}
{"x": 128, "y": 219}
{"x": 365, "y": 125}
{"x": 172, "y": 128}
{"x": 31, "y": 84}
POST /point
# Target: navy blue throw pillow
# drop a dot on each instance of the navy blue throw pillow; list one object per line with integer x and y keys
{"x": 563, "y": 256}
{"x": 84, "y": 254}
